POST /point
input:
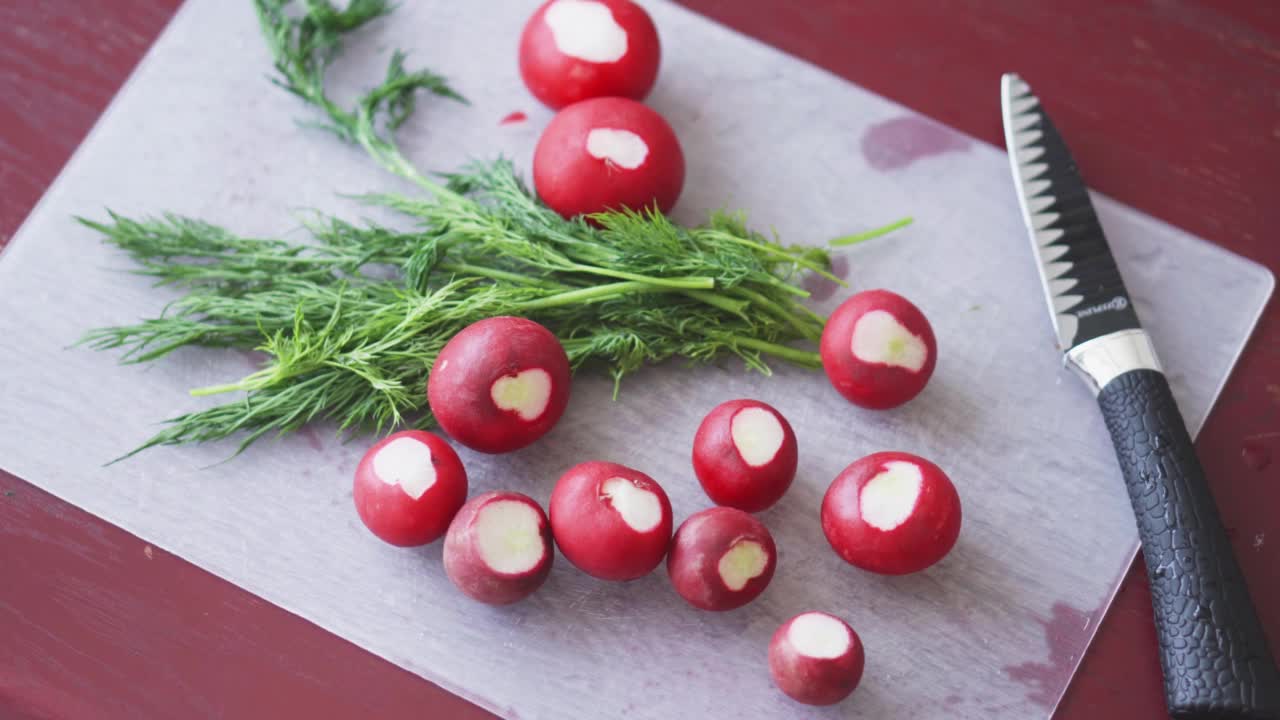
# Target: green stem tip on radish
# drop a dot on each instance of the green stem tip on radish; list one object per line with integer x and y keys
{"x": 499, "y": 549}
{"x": 611, "y": 521}
{"x": 816, "y": 658}
{"x": 573, "y": 50}
{"x": 745, "y": 455}
{"x": 499, "y": 384}
{"x": 408, "y": 487}
{"x": 721, "y": 558}
{"x": 608, "y": 154}
{"x": 878, "y": 349}
{"x": 891, "y": 513}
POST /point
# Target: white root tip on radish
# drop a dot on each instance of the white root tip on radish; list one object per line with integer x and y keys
{"x": 639, "y": 508}
{"x": 743, "y": 562}
{"x": 818, "y": 635}
{"x": 407, "y": 463}
{"x": 586, "y": 30}
{"x": 509, "y": 536}
{"x": 757, "y": 434}
{"x": 879, "y": 338}
{"x": 526, "y": 393}
{"x": 889, "y": 498}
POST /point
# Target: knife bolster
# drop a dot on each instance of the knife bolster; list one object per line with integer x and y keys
{"x": 1103, "y": 359}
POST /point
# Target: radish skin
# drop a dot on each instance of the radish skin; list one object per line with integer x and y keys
{"x": 878, "y": 349}
{"x": 408, "y": 487}
{"x": 573, "y": 50}
{"x": 498, "y": 549}
{"x": 745, "y": 455}
{"x": 611, "y": 521}
{"x": 608, "y": 154}
{"x": 499, "y": 384}
{"x": 891, "y": 513}
{"x": 816, "y": 659}
{"x": 721, "y": 558}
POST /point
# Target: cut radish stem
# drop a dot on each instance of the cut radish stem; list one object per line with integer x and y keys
{"x": 612, "y": 522}
{"x": 499, "y": 384}
{"x": 408, "y": 487}
{"x": 721, "y": 559}
{"x": 878, "y": 349}
{"x": 575, "y": 50}
{"x": 608, "y": 154}
{"x": 499, "y": 549}
{"x": 744, "y": 454}
{"x": 816, "y": 658}
{"x": 892, "y": 513}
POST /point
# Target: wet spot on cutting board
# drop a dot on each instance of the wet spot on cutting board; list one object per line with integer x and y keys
{"x": 821, "y": 288}
{"x": 1066, "y": 632}
{"x": 900, "y": 141}
{"x": 312, "y": 436}
{"x": 513, "y": 117}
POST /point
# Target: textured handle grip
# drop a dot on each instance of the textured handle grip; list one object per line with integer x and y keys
{"x": 1214, "y": 654}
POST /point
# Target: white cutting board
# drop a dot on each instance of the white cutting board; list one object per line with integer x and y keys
{"x": 992, "y": 632}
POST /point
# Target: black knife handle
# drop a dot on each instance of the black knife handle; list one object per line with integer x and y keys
{"x": 1215, "y": 656}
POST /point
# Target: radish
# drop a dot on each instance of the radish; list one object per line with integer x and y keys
{"x": 612, "y": 522}
{"x": 499, "y": 384}
{"x": 878, "y": 349}
{"x": 499, "y": 549}
{"x": 575, "y": 50}
{"x": 721, "y": 558}
{"x": 892, "y": 513}
{"x": 408, "y": 487}
{"x": 744, "y": 454}
{"x": 608, "y": 154}
{"x": 816, "y": 658}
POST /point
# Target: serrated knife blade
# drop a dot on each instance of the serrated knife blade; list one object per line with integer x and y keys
{"x": 1214, "y": 655}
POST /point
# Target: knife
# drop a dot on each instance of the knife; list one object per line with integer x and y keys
{"x": 1212, "y": 649}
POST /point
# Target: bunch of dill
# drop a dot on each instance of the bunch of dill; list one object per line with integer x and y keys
{"x": 349, "y": 342}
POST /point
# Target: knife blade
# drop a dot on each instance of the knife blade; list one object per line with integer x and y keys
{"x": 1213, "y": 651}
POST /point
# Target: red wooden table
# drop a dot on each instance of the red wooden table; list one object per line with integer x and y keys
{"x": 1173, "y": 107}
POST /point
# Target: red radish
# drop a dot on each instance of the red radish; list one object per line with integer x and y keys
{"x": 613, "y": 522}
{"x": 721, "y": 558}
{"x": 408, "y": 487}
{"x": 816, "y": 658}
{"x": 608, "y": 154}
{"x": 878, "y": 349}
{"x": 574, "y": 50}
{"x": 499, "y": 549}
{"x": 744, "y": 454}
{"x": 499, "y": 384}
{"x": 892, "y": 513}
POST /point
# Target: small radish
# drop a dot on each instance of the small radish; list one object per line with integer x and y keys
{"x": 892, "y": 513}
{"x": 408, "y": 487}
{"x": 499, "y": 549}
{"x": 608, "y": 154}
{"x": 878, "y": 349}
{"x": 744, "y": 454}
{"x": 499, "y": 384}
{"x": 816, "y": 658}
{"x": 721, "y": 558}
{"x": 612, "y": 522}
{"x": 575, "y": 50}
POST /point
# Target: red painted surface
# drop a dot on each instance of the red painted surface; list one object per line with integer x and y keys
{"x": 1169, "y": 106}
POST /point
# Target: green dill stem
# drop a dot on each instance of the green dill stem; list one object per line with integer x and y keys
{"x": 496, "y": 274}
{"x": 677, "y": 283}
{"x": 737, "y": 307}
{"x": 804, "y": 358}
{"x": 803, "y": 323}
{"x": 870, "y": 234}
{"x": 597, "y": 293}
